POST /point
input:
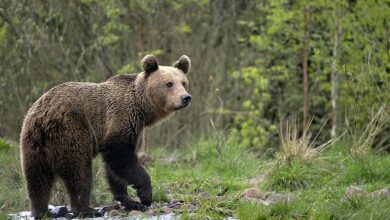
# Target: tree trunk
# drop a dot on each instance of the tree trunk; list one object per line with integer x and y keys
{"x": 304, "y": 65}
{"x": 141, "y": 37}
{"x": 335, "y": 75}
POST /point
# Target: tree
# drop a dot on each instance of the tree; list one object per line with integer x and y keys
{"x": 306, "y": 47}
{"x": 335, "y": 74}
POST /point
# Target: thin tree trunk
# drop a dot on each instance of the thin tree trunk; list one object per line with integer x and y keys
{"x": 141, "y": 37}
{"x": 304, "y": 65}
{"x": 335, "y": 75}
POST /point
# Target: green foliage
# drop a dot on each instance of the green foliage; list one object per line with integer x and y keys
{"x": 359, "y": 208}
{"x": 100, "y": 193}
{"x": 4, "y": 146}
{"x": 291, "y": 177}
{"x": 251, "y": 211}
{"x": 12, "y": 191}
{"x": 159, "y": 194}
{"x": 271, "y": 49}
{"x": 42, "y": 45}
{"x": 247, "y": 59}
{"x": 253, "y": 129}
{"x": 372, "y": 170}
{"x": 225, "y": 156}
{"x": 127, "y": 69}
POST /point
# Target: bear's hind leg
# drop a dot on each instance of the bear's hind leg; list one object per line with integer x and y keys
{"x": 75, "y": 163}
{"x": 39, "y": 181}
{"x": 78, "y": 182}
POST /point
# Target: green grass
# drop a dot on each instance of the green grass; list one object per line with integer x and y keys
{"x": 209, "y": 170}
{"x": 12, "y": 190}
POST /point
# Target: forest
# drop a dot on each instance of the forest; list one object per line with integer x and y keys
{"x": 289, "y": 98}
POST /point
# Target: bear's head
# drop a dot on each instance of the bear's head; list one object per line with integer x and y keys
{"x": 167, "y": 87}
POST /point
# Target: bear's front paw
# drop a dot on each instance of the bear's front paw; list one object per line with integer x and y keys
{"x": 134, "y": 205}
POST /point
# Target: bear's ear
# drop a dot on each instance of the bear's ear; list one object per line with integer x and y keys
{"x": 184, "y": 64}
{"x": 149, "y": 63}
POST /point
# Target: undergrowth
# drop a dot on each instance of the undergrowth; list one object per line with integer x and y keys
{"x": 212, "y": 173}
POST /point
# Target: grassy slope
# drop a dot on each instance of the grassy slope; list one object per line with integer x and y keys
{"x": 319, "y": 184}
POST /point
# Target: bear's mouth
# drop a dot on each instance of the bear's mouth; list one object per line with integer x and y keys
{"x": 181, "y": 106}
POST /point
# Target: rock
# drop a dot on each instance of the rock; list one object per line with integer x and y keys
{"x": 354, "y": 191}
{"x": 382, "y": 193}
{"x": 21, "y": 215}
{"x": 107, "y": 209}
{"x": 175, "y": 204}
{"x": 69, "y": 215}
{"x": 135, "y": 212}
{"x": 255, "y": 193}
{"x": 278, "y": 197}
{"x": 165, "y": 210}
{"x": 91, "y": 214}
{"x": 113, "y": 213}
{"x": 189, "y": 207}
{"x": 59, "y": 211}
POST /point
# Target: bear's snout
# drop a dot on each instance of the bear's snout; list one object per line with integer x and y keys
{"x": 185, "y": 101}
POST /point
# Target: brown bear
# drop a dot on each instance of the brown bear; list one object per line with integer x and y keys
{"x": 75, "y": 121}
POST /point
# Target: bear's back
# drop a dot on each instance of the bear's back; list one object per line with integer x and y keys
{"x": 64, "y": 105}
{"x": 78, "y": 97}
{"x": 88, "y": 105}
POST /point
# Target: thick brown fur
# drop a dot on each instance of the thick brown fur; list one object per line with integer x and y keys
{"x": 73, "y": 122}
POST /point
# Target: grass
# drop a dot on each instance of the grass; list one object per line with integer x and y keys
{"x": 212, "y": 173}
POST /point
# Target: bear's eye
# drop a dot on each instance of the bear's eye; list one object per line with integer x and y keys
{"x": 184, "y": 84}
{"x": 169, "y": 84}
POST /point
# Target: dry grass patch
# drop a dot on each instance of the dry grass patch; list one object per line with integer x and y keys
{"x": 299, "y": 144}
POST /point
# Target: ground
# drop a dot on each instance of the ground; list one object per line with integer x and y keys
{"x": 211, "y": 178}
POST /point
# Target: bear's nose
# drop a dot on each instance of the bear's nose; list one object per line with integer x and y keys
{"x": 186, "y": 100}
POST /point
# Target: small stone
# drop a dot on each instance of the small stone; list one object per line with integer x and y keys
{"x": 189, "y": 207}
{"x": 107, "y": 209}
{"x": 24, "y": 214}
{"x": 113, "y": 213}
{"x": 174, "y": 204}
{"x": 278, "y": 197}
{"x": 153, "y": 212}
{"x": 59, "y": 211}
{"x": 354, "y": 191}
{"x": 382, "y": 193}
{"x": 135, "y": 212}
{"x": 69, "y": 215}
{"x": 165, "y": 210}
{"x": 255, "y": 193}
